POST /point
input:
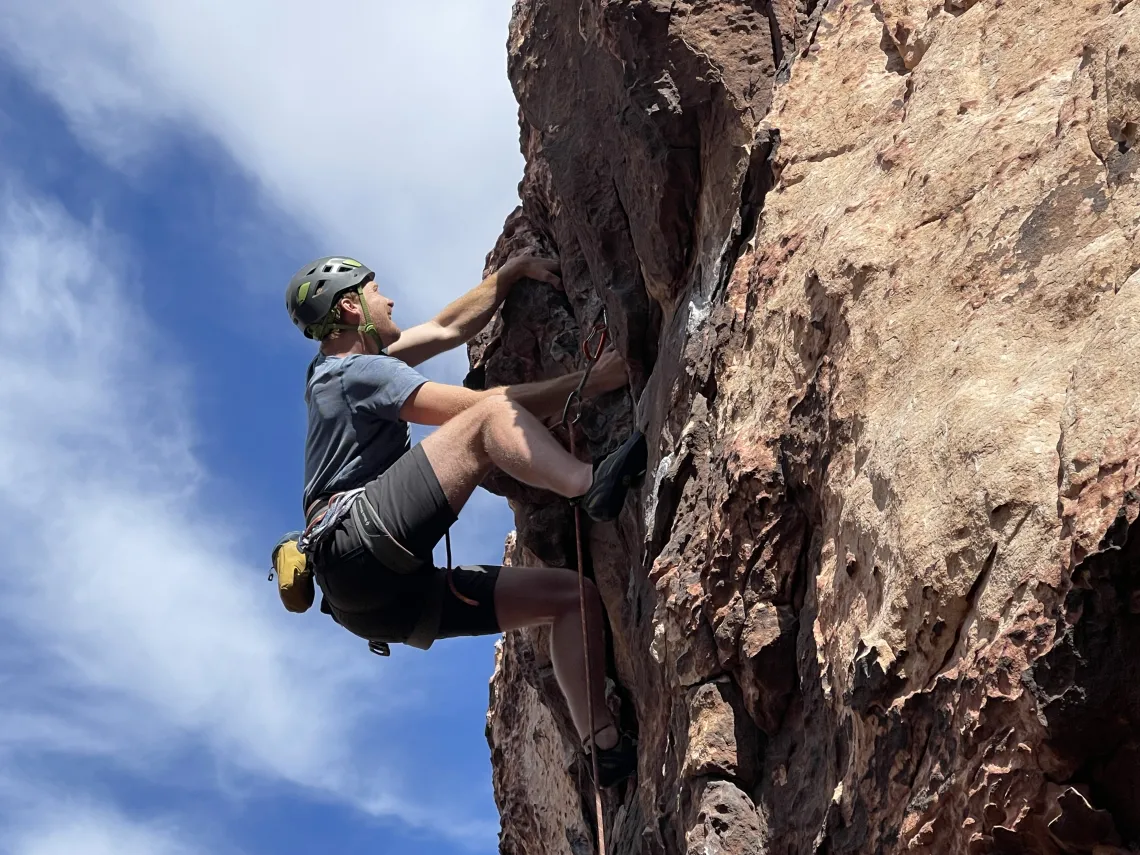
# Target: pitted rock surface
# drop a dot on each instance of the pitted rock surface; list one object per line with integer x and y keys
{"x": 873, "y": 266}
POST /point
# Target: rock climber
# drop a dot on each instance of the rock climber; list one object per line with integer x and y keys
{"x": 376, "y": 506}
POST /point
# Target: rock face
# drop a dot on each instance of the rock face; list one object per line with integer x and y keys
{"x": 872, "y": 266}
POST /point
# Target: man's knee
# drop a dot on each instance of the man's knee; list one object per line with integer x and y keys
{"x": 573, "y": 597}
{"x": 493, "y": 406}
{"x": 470, "y": 429}
{"x": 492, "y": 414}
{"x": 562, "y": 596}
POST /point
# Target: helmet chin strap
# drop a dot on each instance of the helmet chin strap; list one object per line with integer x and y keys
{"x": 367, "y": 328}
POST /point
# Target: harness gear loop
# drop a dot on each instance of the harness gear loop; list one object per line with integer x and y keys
{"x": 592, "y": 353}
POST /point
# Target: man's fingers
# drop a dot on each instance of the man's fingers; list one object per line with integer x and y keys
{"x": 543, "y": 276}
{"x": 543, "y": 270}
{"x": 531, "y": 266}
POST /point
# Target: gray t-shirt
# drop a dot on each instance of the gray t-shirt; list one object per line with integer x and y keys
{"x": 355, "y": 432}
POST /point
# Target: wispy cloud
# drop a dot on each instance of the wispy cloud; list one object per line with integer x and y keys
{"x": 387, "y": 127}
{"x": 77, "y": 827}
{"x": 134, "y": 637}
{"x": 129, "y": 629}
{"x": 113, "y": 570}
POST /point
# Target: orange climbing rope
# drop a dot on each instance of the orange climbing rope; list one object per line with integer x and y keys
{"x": 592, "y": 352}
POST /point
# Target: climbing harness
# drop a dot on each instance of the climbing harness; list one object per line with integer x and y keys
{"x": 292, "y": 562}
{"x": 292, "y": 556}
{"x": 592, "y": 348}
{"x": 353, "y": 504}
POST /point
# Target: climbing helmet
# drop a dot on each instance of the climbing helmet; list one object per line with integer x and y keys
{"x": 315, "y": 288}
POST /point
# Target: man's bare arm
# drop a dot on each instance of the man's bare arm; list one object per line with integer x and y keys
{"x": 462, "y": 319}
{"x": 437, "y": 403}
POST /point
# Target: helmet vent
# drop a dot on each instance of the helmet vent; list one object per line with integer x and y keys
{"x": 321, "y": 286}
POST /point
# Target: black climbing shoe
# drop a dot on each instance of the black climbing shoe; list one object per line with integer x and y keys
{"x": 617, "y": 763}
{"x": 612, "y": 477}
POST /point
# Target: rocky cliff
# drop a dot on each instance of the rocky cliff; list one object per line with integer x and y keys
{"x": 871, "y": 263}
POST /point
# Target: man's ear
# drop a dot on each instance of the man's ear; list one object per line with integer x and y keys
{"x": 349, "y": 307}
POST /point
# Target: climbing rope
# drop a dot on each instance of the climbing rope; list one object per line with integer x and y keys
{"x": 592, "y": 348}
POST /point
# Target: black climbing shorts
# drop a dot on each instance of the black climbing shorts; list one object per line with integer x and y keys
{"x": 379, "y": 603}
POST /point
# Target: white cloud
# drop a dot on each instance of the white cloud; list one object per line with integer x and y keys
{"x": 77, "y": 828}
{"x": 129, "y": 631}
{"x": 387, "y": 127}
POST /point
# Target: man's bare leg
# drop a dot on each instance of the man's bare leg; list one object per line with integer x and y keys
{"x": 526, "y": 596}
{"x": 499, "y": 432}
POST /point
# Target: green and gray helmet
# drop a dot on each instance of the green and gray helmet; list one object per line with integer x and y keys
{"x": 316, "y": 287}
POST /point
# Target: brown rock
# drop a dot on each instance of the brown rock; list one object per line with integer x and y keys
{"x": 725, "y": 823}
{"x": 722, "y": 742}
{"x": 873, "y": 264}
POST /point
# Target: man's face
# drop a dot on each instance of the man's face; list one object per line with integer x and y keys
{"x": 380, "y": 310}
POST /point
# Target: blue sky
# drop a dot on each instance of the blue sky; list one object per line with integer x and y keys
{"x": 164, "y": 168}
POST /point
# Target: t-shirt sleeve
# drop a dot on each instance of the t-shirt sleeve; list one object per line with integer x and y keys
{"x": 380, "y": 385}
